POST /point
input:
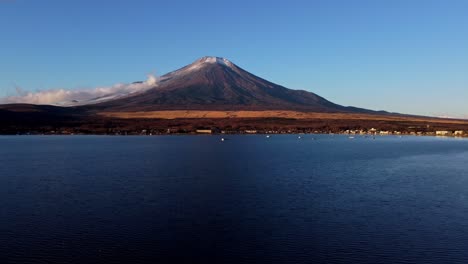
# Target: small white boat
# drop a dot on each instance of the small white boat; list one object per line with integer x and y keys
{"x": 222, "y": 139}
{"x": 267, "y": 136}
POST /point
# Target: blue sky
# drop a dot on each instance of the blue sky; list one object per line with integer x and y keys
{"x": 405, "y": 56}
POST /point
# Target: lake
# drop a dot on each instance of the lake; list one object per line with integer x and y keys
{"x": 249, "y": 199}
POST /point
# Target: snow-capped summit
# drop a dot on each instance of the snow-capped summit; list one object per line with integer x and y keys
{"x": 202, "y": 64}
{"x": 209, "y": 61}
{"x": 217, "y": 60}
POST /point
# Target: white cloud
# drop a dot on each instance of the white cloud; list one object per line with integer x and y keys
{"x": 66, "y": 97}
{"x": 452, "y": 116}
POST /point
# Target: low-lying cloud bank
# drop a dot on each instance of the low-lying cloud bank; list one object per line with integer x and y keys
{"x": 64, "y": 97}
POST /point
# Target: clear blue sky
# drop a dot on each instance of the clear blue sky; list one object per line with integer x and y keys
{"x": 406, "y": 56}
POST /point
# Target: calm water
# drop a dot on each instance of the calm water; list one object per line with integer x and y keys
{"x": 195, "y": 199}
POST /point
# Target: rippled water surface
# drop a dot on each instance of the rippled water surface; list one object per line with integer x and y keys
{"x": 250, "y": 199}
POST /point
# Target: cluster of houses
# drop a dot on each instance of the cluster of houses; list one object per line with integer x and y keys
{"x": 372, "y": 131}
{"x": 445, "y": 133}
{"x": 247, "y": 131}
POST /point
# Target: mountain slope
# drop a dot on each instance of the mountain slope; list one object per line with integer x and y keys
{"x": 213, "y": 83}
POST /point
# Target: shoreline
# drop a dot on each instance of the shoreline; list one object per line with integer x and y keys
{"x": 237, "y": 134}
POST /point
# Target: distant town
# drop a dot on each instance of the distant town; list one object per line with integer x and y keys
{"x": 215, "y": 131}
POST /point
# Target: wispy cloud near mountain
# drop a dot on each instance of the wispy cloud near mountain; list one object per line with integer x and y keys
{"x": 66, "y": 97}
{"x": 462, "y": 116}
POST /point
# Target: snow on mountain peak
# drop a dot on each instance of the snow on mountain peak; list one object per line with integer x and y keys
{"x": 214, "y": 60}
{"x": 204, "y": 61}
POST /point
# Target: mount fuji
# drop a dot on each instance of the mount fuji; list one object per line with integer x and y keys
{"x": 214, "y": 83}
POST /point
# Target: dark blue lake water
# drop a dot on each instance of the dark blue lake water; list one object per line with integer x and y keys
{"x": 250, "y": 199}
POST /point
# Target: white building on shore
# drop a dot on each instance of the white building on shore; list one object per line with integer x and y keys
{"x": 443, "y": 133}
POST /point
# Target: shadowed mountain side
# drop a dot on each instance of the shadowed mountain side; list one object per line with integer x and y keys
{"x": 212, "y": 83}
{"x": 28, "y": 116}
{"x": 30, "y": 108}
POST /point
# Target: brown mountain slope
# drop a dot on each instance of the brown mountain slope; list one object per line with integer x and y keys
{"x": 213, "y": 83}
